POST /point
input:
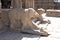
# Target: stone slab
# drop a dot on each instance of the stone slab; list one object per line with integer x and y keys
{"x": 52, "y": 12}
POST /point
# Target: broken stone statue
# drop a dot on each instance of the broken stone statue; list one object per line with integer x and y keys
{"x": 21, "y": 21}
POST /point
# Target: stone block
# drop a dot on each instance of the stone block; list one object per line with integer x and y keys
{"x": 52, "y": 12}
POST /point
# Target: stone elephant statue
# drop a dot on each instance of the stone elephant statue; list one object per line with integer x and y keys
{"x": 21, "y": 21}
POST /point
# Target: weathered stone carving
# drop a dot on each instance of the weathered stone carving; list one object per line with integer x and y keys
{"x": 21, "y": 21}
{"x": 28, "y": 26}
{"x": 41, "y": 11}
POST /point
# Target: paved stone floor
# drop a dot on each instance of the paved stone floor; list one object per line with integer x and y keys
{"x": 17, "y": 36}
{"x": 54, "y": 30}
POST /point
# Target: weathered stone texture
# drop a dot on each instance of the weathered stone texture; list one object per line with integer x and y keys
{"x": 5, "y": 17}
{"x": 4, "y": 20}
{"x": 15, "y": 16}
